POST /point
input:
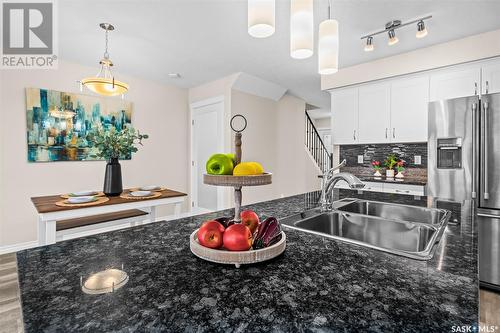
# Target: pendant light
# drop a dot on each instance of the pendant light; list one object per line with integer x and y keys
{"x": 104, "y": 82}
{"x": 301, "y": 29}
{"x": 261, "y": 18}
{"x": 328, "y": 45}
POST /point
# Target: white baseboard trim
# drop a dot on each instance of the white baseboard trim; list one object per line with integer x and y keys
{"x": 86, "y": 231}
{"x": 18, "y": 247}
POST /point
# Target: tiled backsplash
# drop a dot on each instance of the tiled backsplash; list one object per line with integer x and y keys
{"x": 379, "y": 152}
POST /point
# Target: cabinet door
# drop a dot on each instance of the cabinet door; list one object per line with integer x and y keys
{"x": 490, "y": 78}
{"x": 345, "y": 116}
{"x": 454, "y": 83}
{"x": 409, "y": 102}
{"x": 374, "y": 113}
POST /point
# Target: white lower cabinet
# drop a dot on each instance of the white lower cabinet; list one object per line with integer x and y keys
{"x": 415, "y": 190}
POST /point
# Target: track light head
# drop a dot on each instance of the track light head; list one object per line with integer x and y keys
{"x": 421, "y": 30}
{"x": 369, "y": 44}
{"x": 392, "y": 38}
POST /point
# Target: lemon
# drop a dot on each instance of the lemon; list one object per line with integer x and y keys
{"x": 248, "y": 169}
{"x": 244, "y": 169}
{"x": 258, "y": 167}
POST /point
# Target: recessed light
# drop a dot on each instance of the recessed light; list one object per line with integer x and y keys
{"x": 174, "y": 75}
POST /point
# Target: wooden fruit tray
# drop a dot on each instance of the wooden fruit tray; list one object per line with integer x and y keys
{"x": 238, "y": 181}
{"x": 236, "y": 258}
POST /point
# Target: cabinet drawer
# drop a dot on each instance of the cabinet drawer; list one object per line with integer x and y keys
{"x": 404, "y": 189}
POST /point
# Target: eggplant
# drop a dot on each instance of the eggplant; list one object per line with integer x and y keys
{"x": 225, "y": 221}
{"x": 268, "y": 233}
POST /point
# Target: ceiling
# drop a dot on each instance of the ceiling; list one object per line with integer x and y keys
{"x": 204, "y": 40}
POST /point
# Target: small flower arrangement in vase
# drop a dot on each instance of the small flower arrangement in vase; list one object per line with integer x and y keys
{"x": 390, "y": 162}
{"x": 400, "y": 168}
{"x": 376, "y": 166}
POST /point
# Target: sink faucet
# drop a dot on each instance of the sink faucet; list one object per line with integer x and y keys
{"x": 329, "y": 181}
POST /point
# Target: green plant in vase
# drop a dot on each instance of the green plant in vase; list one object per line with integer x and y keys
{"x": 390, "y": 162}
{"x": 113, "y": 145}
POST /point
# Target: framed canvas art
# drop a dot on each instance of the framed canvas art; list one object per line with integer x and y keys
{"x": 59, "y": 123}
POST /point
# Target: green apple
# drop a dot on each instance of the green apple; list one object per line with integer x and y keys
{"x": 232, "y": 157}
{"x": 220, "y": 164}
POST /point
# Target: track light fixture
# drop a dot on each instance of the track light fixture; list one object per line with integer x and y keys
{"x": 390, "y": 29}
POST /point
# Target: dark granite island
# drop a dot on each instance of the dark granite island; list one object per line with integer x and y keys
{"x": 317, "y": 285}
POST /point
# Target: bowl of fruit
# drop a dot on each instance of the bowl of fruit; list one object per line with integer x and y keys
{"x": 225, "y": 241}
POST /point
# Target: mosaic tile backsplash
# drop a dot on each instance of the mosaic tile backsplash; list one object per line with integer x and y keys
{"x": 379, "y": 152}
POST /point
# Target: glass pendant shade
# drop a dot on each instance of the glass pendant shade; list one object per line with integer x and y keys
{"x": 328, "y": 47}
{"x": 261, "y": 18}
{"x": 104, "y": 83}
{"x": 301, "y": 29}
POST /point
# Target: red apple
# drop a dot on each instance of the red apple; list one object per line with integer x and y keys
{"x": 237, "y": 237}
{"x": 211, "y": 238}
{"x": 212, "y": 224}
{"x": 250, "y": 219}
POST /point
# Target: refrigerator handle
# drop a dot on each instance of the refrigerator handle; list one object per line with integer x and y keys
{"x": 486, "y": 193}
{"x": 474, "y": 162}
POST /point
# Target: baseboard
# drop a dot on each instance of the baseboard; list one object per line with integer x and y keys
{"x": 18, "y": 247}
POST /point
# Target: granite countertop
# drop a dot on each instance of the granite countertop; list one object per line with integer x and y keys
{"x": 317, "y": 285}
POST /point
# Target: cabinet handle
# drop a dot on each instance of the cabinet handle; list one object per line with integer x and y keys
{"x": 354, "y": 135}
{"x": 394, "y": 132}
{"x": 386, "y": 132}
{"x": 400, "y": 191}
{"x": 475, "y": 88}
{"x": 487, "y": 86}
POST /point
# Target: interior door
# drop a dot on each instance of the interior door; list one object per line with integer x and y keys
{"x": 375, "y": 113}
{"x": 490, "y": 152}
{"x": 207, "y": 139}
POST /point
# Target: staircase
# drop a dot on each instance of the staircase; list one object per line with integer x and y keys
{"x": 315, "y": 146}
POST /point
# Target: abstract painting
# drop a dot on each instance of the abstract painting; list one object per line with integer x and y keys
{"x": 59, "y": 123}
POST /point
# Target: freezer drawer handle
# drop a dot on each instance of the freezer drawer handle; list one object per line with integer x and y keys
{"x": 486, "y": 194}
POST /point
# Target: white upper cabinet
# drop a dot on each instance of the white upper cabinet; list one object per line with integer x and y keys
{"x": 374, "y": 113}
{"x": 455, "y": 82}
{"x": 409, "y": 103}
{"x": 345, "y": 116}
{"x": 490, "y": 77}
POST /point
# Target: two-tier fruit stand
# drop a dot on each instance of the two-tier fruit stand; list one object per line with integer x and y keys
{"x": 238, "y": 181}
{"x": 237, "y": 257}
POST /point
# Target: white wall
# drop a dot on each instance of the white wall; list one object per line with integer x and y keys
{"x": 482, "y": 46}
{"x": 158, "y": 110}
{"x": 322, "y": 123}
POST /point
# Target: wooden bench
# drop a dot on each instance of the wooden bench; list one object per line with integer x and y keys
{"x": 59, "y": 223}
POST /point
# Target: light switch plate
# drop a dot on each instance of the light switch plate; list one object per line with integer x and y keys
{"x": 418, "y": 159}
{"x": 360, "y": 159}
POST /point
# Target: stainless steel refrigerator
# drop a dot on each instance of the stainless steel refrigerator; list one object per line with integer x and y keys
{"x": 464, "y": 165}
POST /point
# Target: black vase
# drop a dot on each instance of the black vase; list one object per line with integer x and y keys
{"x": 113, "y": 178}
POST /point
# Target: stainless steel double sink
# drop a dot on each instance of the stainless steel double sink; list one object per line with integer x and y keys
{"x": 404, "y": 230}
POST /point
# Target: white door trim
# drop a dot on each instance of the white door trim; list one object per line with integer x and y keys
{"x": 220, "y": 134}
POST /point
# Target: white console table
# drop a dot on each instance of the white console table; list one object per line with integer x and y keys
{"x": 49, "y": 213}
